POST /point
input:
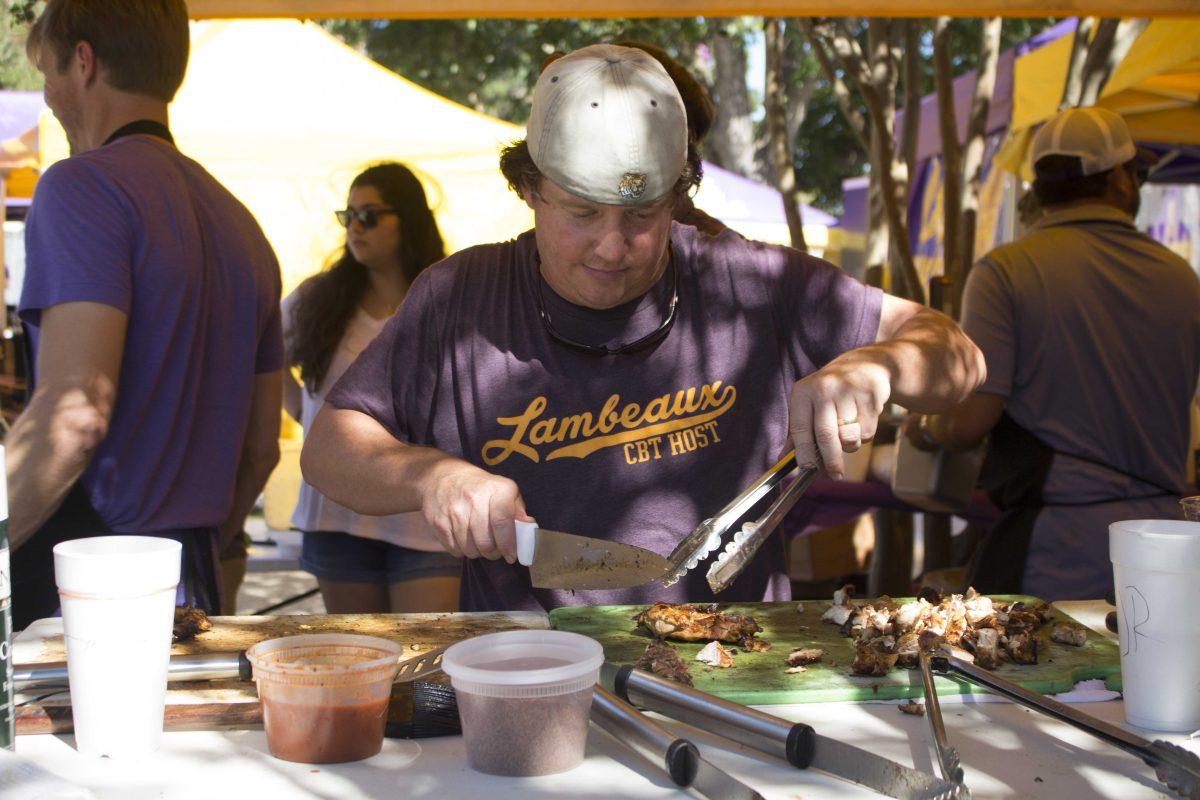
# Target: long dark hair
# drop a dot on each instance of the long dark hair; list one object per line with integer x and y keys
{"x": 326, "y": 302}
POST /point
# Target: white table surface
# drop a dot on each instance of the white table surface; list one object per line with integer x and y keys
{"x": 1006, "y": 751}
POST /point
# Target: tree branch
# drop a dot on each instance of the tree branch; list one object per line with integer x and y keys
{"x": 775, "y": 101}
{"x": 841, "y": 92}
{"x": 1073, "y": 83}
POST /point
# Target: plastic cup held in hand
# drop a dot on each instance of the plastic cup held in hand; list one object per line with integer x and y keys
{"x": 1156, "y": 569}
{"x": 118, "y": 606}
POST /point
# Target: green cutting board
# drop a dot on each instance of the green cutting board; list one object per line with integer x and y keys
{"x": 761, "y": 679}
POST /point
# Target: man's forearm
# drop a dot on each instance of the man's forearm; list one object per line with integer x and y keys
{"x": 351, "y": 459}
{"x": 46, "y": 451}
{"x": 254, "y": 469}
{"x": 933, "y": 365}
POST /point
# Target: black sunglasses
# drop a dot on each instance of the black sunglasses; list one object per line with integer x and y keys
{"x": 367, "y": 217}
{"x": 649, "y": 340}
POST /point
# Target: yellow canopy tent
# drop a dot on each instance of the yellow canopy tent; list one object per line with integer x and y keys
{"x": 1156, "y": 88}
{"x": 285, "y": 115}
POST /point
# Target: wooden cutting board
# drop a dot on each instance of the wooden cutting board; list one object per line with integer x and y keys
{"x": 232, "y": 703}
{"x": 761, "y": 678}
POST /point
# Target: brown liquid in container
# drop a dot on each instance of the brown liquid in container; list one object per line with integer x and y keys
{"x": 324, "y": 734}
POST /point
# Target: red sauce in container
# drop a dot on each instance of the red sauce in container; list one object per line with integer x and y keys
{"x": 324, "y": 734}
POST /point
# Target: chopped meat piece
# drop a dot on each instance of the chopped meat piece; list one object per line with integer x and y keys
{"x": 1071, "y": 633}
{"x": 912, "y": 707}
{"x": 1022, "y": 621}
{"x": 906, "y": 650}
{"x": 875, "y": 657}
{"x": 715, "y": 655}
{"x": 930, "y": 595}
{"x": 985, "y": 644}
{"x": 928, "y": 640}
{"x": 842, "y": 596}
{"x": 662, "y": 660}
{"x": 804, "y": 655}
{"x": 799, "y": 608}
{"x": 689, "y": 623}
{"x": 838, "y": 615}
{"x": 189, "y": 621}
{"x": 795, "y": 669}
{"x": 1022, "y": 648}
{"x": 755, "y": 645}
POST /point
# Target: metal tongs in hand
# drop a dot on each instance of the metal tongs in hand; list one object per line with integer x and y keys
{"x": 709, "y": 534}
{"x": 947, "y": 755}
{"x": 1176, "y": 767}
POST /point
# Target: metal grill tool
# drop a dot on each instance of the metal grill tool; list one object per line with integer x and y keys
{"x": 709, "y": 534}
{"x": 947, "y": 755}
{"x": 795, "y": 742}
{"x": 1179, "y": 769}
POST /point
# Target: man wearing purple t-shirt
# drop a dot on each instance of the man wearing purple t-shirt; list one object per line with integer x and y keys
{"x": 611, "y": 373}
{"x": 151, "y": 299}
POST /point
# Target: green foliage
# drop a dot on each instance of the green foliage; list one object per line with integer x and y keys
{"x": 15, "y": 70}
{"x": 492, "y": 64}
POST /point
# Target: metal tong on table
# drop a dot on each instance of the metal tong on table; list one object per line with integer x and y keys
{"x": 794, "y": 742}
{"x": 710, "y": 534}
{"x": 1176, "y": 767}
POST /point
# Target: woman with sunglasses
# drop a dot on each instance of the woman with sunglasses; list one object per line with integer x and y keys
{"x": 364, "y": 564}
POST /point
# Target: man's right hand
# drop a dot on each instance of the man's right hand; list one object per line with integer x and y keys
{"x": 472, "y": 511}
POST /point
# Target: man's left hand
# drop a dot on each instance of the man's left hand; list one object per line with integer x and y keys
{"x": 837, "y": 408}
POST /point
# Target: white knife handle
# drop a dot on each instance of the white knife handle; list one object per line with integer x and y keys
{"x": 526, "y": 542}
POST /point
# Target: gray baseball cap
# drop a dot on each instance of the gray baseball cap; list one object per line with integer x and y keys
{"x": 608, "y": 125}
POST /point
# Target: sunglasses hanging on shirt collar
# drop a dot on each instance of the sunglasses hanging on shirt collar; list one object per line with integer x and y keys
{"x": 367, "y": 217}
{"x": 649, "y": 340}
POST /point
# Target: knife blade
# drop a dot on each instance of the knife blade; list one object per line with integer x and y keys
{"x": 559, "y": 560}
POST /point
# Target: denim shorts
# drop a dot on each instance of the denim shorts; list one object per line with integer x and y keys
{"x": 334, "y": 556}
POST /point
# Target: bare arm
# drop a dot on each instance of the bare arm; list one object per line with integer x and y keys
{"x": 920, "y": 359}
{"x": 52, "y": 442}
{"x": 355, "y": 461}
{"x": 293, "y": 395}
{"x": 260, "y": 452}
{"x": 963, "y": 427}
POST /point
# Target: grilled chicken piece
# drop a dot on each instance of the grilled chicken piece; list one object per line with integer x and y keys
{"x": 1022, "y": 648}
{"x": 715, "y": 655}
{"x": 662, "y": 660}
{"x": 688, "y": 623}
{"x": 876, "y": 657}
{"x": 1071, "y": 633}
{"x": 985, "y": 644}
{"x": 189, "y": 621}
{"x": 801, "y": 656}
{"x": 907, "y": 649}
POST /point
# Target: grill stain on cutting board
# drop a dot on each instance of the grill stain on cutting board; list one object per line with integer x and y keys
{"x": 761, "y": 678}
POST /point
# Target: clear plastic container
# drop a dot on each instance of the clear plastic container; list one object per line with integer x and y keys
{"x": 524, "y": 699}
{"x": 325, "y": 695}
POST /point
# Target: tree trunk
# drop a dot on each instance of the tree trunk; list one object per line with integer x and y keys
{"x": 1073, "y": 83}
{"x": 776, "y": 102}
{"x": 951, "y": 150}
{"x": 1112, "y": 41}
{"x": 732, "y": 135}
{"x": 972, "y": 163}
{"x": 910, "y": 137}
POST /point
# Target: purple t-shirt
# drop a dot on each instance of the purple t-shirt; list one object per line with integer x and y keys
{"x": 636, "y": 448}
{"x": 140, "y": 227}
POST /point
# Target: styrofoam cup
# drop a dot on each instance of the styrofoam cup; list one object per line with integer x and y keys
{"x": 118, "y": 607}
{"x": 1156, "y": 570}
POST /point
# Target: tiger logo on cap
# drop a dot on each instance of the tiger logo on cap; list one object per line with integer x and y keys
{"x": 632, "y": 185}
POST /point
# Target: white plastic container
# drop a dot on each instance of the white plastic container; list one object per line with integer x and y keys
{"x": 118, "y": 607}
{"x": 524, "y": 699}
{"x": 1156, "y": 568}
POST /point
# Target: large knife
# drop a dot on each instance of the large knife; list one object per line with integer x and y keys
{"x": 795, "y": 742}
{"x": 565, "y": 561}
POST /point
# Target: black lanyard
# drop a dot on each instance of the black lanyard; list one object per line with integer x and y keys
{"x": 147, "y": 126}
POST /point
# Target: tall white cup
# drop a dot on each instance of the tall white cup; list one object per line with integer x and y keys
{"x": 1156, "y": 568}
{"x": 118, "y": 606}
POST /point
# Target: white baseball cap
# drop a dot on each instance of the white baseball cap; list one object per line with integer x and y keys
{"x": 608, "y": 125}
{"x": 1097, "y": 137}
